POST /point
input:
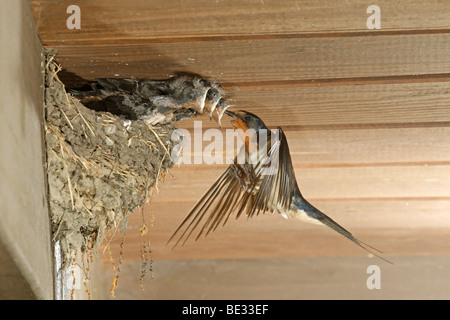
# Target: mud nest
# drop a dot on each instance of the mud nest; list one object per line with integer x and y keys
{"x": 100, "y": 167}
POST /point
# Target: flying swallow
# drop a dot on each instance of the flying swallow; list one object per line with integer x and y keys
{"x": 261, "y": 179}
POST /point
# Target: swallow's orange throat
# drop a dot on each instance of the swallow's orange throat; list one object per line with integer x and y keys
{"x": 246, "y": 135}
{"x": 239, "y": 124}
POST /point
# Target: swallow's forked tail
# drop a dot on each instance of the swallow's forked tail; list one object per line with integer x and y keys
{"x": 315, "y": 213}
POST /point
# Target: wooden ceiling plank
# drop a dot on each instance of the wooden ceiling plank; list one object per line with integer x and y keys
{"x": 342, "y": 148}
{"x": 346, "y": 183}
{"x": 375, "y": 102}
{"x": 344, "y": 107}
{"x": 105, "y": 19}
{"x": 413, "y": 227}
{"x": 263, "y": 60}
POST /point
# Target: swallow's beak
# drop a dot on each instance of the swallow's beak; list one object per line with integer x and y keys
{"x": 230, "y": 114}
{"x": 236, "y": 120}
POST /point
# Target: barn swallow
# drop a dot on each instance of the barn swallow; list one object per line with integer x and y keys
{"x": 247, "y": 187}
{"x": 155, "y": 101}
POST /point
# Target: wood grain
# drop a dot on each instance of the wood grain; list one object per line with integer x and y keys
{"x": 265, "y": 59}
{"x": 117, "y": 20}
{"x": 367, "y": 182}
{"x": 366, "y": 112}
{"x": 410, "y": 227}
{"x": 346, "y": 107}
{"x": 346, "y": 148}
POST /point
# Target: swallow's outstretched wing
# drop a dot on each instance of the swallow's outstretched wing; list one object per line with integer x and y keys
{"x": 277, "y": 178}
{"x": 267, "y": 186}
{"x": 245, "y": 188}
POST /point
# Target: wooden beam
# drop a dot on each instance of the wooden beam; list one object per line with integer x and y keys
{"x": 258, "y": 60}
{"x": 367, "y": 182}
{"x": 410, "y": 227}
{"x": 103, "y": 20}
{"x": 347, "y": 148}
{"x": 366, "y": 112}
{"x": 343, "y": 107}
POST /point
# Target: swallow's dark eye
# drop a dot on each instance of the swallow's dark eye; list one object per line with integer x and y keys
{"x": 247, "y": 118}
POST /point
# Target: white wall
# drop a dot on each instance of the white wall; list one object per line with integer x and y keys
{"x": 24, "y": 220}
